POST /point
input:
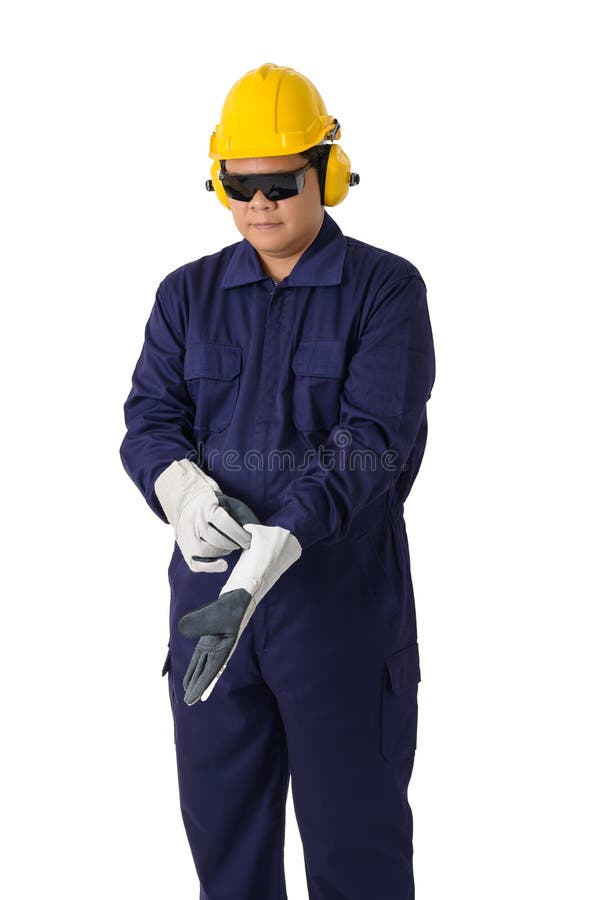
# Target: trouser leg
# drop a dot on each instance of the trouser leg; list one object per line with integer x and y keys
{"x": 351, "y": 801}
{"x": 344, "y": 665}
{"x": 233, "y": 779}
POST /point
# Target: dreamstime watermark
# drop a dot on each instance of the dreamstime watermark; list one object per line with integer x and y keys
{"x": 340, "y": 455}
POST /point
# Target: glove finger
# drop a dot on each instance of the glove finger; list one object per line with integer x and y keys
{"x": 197, "y": 684}
{"x": 203, "y": 564}
{"x": 222, "y": 616}
{"x": 221, "y": 522}
{"x": 196, "y": 664}
{"x": 194, "y": 531}
{"x": 206, "y": 646}
{"x": 213, "y": 541}
{"x": 203, "y": 548}
{"x": 212, "y": 653}
{"x": 206, "y": 693}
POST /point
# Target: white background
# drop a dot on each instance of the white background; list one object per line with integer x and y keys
{"x": 469, "y": 123}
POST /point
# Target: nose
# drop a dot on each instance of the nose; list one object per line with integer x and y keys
{"x": 260, "y": 201}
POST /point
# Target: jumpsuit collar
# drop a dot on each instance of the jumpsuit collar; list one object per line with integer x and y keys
{"x": 320, "y": 265}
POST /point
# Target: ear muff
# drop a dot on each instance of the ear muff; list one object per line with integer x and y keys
{"x": 334, "y": 175}
{"x": 215, "y": 184}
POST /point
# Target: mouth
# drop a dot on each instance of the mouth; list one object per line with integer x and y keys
{"x": 265, "y": 226}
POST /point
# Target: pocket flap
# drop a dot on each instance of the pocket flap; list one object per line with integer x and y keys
{"x": 322, "y": 358}
{"x": 205, "y": 360}
{"x": 404, "y": 668}
{"x": 167, "y": 663}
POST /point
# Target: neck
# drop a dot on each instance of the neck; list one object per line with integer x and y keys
{"x": 278, "y": 269}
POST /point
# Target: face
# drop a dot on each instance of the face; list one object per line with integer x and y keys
{"x": 280, "y": 230}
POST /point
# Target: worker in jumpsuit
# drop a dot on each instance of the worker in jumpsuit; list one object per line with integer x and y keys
{"x": 277, "y": 419}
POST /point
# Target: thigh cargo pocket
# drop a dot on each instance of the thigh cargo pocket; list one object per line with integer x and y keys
{"x": 318, "y": 368}
{"x": 211, "y": 372}
{"x": 399, "y": 703}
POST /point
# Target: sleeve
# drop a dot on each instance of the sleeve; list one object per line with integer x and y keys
{"x": 158, "y": 411}
{"x": 382, "y": 409}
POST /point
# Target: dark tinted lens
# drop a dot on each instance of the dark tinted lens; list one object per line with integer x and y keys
{"x": 238, "y": 187}
{"x": 280, "y": 186}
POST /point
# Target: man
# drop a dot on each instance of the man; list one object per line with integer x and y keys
{"x": 277, "y": 419}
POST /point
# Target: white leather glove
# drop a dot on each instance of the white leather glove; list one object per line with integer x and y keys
{"x": 220, "y": 624}
{"x": 204, "y": 530}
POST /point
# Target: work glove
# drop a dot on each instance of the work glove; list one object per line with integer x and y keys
{"x": 220, "y": 624}
{"x": 203, "y": 518}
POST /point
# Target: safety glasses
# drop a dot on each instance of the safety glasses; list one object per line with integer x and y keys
{"x": 277, "y": 186}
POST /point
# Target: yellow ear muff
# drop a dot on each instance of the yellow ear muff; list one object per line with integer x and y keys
{"x": 337, "y": 176}
{"x": 215, "y": 184}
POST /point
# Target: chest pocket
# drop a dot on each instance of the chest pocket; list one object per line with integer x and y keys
{"x": 211, "y": 373}
{"x": 318, "y": 368}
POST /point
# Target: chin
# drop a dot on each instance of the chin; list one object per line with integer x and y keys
{"x": 268, "y": 245}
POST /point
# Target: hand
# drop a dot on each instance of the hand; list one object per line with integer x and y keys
{"x": 207, "y": 523}
{"x": 220, "y": 624}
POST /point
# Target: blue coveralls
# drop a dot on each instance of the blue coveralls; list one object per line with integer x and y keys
{"x": 306, "y": 400}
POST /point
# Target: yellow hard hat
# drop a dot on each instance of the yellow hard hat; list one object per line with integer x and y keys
{"x": 271, "y": 111}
